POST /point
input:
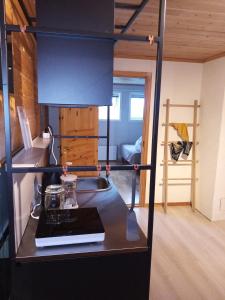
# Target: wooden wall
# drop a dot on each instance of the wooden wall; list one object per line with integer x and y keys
{"x": 24, "y": 78}
{"x": 81, "y": 152}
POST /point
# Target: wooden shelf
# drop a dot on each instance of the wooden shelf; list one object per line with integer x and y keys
{"x": 188, "y": 124}
{"x": 180, "y": 178}
{"x": 180, "y": 161}
{"x": 189, "y": 162}
{"x": 181, "y": 105}
{"x": 162, "y": 144}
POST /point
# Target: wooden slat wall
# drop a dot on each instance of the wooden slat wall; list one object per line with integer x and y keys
{"x": 81, "y": 152}
{"x": 24, "y": 73}
{"x": 30, "y": 5}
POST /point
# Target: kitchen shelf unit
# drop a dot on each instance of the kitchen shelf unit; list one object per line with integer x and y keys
{"x": 126, "y": 257}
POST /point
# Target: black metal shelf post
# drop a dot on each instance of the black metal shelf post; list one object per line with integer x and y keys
{"x": 79, "y": 34}
{"x": 108, "y": 137}
{"x": 7, "y": 125}
{"x": 161, "y": 29}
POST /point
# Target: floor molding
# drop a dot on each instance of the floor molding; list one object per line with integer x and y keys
{"x": 172, "y": 204}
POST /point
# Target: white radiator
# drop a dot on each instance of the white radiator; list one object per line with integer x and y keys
{"x": 102, "y": 152}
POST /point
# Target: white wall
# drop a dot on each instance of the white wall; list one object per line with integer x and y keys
{"x": 24, "y": 185}
{"x": 181, "y": 82}
{"x": 212, "y": 136}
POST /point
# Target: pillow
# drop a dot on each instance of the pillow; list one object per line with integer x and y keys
{"x": 137, "y": 145}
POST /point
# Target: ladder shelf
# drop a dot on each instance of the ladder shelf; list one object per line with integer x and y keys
{"x": 166, "y": 162}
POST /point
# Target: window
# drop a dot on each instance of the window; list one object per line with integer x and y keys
{"x": 136, "y": 107}
{"x": 114, "y": 109}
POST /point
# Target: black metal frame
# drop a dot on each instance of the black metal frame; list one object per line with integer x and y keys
{"x": 79, "y": 168}
{"x": 79, "y": 34}
{"x": 4, "y": 236}
{"x": 137, "y": 11}
{"x": 108, "y": 137}
{"x": 7, "y": 123}
{"x": 126, "y": 6}
{"x": 158, "y": 78}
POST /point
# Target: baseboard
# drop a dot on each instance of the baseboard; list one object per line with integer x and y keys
{"x": 172, "y": 204}
{"x": 161, "y": 204}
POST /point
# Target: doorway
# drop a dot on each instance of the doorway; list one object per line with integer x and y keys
{"x": 129, "y": 130}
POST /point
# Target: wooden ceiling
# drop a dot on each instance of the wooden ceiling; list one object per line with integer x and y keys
{"x": 195, "y": 29}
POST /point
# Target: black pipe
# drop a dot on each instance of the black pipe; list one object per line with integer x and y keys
{"x": 134, "y": 16}
{"x": 120, "y": 27}
{"x": 161, "y": 29}
{"x": 7, "y": 125}
{"x": 79, "y": 34}
{"x": 126, "y": 6}
{"x": 108, "y": 133}
{"x": 59, "y": 169}
{"x": 4, "y": 236}
{"x": 133, "y": 191}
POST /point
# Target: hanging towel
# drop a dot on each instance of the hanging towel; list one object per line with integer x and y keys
{"x": 176, "y": 148}
{"x": 182, "y": 130}
{"x": 187, "y": 147}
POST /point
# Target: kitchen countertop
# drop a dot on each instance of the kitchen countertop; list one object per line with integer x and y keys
{"x": 122, "y": 233}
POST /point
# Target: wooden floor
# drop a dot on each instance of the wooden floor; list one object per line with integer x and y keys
{"x": 188, "y": 255}
{"x": 123, "y": 183}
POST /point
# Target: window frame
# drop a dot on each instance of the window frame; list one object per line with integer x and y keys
{"x": 115, "y": 94}
{"x": 136, "y": 95}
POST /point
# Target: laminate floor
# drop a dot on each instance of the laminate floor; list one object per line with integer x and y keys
{"x": 123, "y": 183}
{"x": 188, "y": 261}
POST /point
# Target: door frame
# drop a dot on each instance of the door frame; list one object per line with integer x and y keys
{"x": 146, "y": 126}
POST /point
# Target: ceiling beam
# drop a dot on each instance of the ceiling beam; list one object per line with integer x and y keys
{"x": 126, "y": 6}
{"x": 135, "y": 15}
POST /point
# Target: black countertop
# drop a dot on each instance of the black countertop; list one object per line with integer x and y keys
{"x": 122, "y": 233}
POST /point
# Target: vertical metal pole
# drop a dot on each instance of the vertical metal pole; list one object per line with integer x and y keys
{"x": 7, "y": 124}
{"x": 161, "y": 28}
{"x": 108, "y": 136}
{"x": 133, "y": 194}
{"x": 43, "y": 120}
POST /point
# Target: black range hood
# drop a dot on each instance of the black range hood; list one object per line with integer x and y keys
{"x": 75, "y": 71}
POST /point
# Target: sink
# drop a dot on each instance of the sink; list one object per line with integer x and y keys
{"x": 92, "y": 184}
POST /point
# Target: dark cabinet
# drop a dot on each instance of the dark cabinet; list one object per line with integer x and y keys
{"x": 75, "y": 71}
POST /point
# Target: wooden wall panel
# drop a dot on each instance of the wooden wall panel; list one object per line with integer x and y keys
{"x": 30, "y": 5}
{"x": 24, "y": 78}
{"x": 81, "y": 152}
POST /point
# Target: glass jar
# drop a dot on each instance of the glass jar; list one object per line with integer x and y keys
{"x": 69, "y": 183}
{"x": 54, "y": 196}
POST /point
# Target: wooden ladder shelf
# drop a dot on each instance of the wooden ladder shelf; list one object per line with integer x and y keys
{"x": 191, "y": 162}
